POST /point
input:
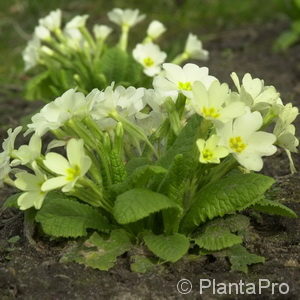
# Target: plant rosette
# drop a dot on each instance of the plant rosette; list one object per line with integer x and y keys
{"x": 70, "y": 55}
{"x": 169, "y": 169}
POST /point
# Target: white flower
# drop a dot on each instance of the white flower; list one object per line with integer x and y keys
{"x": 4, "y": 167}
{"x": 150, "y": 57}
{"x": 210, "y": 150}
{"x": 285, "y": 130}
{"x": 126, "y": 102}
{"x": 70, "y": 170}
{"x": 215, "y": 103}
{"x": 150, "y": 121}
{"x": 254, "y": 93}
{"x": 31, "y": 185}
{"x": 74, "y": 38}
{"x": 8, "y": 144}
{"x": 181, "y": 79}
{"x": 56, "y": 113}
{"x": 155, "y": 29}
{"x": 101, "y": 32}
{"x": 245, "y": 142}
{"x": 125, "y": 17}
{"x": 194, "y": 49}
{"x": 77, "y": 22}
{"x": 42, "y": 33}
{"x": 27, "y": 154}
{"x": 31, "y": 53}
{"x": 52, "y": 21}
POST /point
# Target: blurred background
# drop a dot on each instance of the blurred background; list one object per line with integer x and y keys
{"x": 205, "y": 17}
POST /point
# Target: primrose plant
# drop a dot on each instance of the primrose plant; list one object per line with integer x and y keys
{"x": 71, "y": 56}
{"x": 167, "y": 170}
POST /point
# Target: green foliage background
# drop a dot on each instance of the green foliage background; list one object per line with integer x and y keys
{"x": 19, "y": 17}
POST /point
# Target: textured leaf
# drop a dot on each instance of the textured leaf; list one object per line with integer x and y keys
{"x": 135, "y": 163}
{"x": 240, "y": 258}
{"x": 168, "y": 247}
{"x": 142, "y": 264}
{"x": 62, "y": 217}
{"x": 185, "y": 143}
{"x": 12, "y": 201}
{"x": 99, "y": 253}
{"x": 217, "y": 238}
{"x": 274, "y": 208}
{"x": 139, "y": 178}
{"x": 138, "y": 203}
{"x": 119, "y": 67}
{"x": 230, "y": 194}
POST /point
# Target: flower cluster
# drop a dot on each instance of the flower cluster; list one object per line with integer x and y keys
{"x": 118, "y": 124}
{"x": 72, "y": 56}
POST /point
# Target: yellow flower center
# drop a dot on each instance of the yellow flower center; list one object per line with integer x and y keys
{"x": 148, "y": 62}
{"x": 72, "y": 173}
{"x": 210, "y": 112}
{"x": 207, "y": 154}
{"x": 237, "y": 144}
{"x": 185, "y": 86}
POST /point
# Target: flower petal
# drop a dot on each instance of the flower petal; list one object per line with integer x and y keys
{"x": 56, "y": 163}
{"x": 54, "y": 183}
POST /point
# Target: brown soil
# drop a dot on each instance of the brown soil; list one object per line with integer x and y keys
{"x": 28, "y": 273}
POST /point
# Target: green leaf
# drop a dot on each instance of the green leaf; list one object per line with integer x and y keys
{"x": 12, "y": 201}
{"x": 142, "y": 264}
{"x": 119, "y": 67}
{"x": 168, "y": 247}
{"x": 139, "y": 178}
{"x": 139, "y": 203}
{"x": 274, "y": 208}
{"x": 100, "y": 253}
{"x": 286, "y": 40}
{"x": 185, "y": 143}
{"x": 228, "y": 195}
{"x": 38, "y": 87}
{"x": 217, "y": 238}
{"x": 61, "y": 216}
{"x": 240, "y": 258}
{"x": 135, "y": 163}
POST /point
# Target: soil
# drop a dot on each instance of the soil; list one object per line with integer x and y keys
{"x": 28, "y": 272}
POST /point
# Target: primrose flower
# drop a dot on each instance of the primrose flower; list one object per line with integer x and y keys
{"x": 41, "y": 32}
{"x": 70, "y": 170}
{"x": 101, "y": 32}
{"x": 56, "y": 113}
{"x": 210, "y": 150}
{"x": 285, "y": 130}
{"x": 155, "y": 30}
{"x": 126, "y": 102}
{"x": 254, "y": 93}
{"x": 77, "y": 22}
{"x": 150, "y": 121}
{"x": 74, "y": 38}
{"x": 150, "y": 57}
{"x": 4, "y": 167}
{"x": 215, "y": 102}
{"x": 27, "y": 153}
{"x": 194, "y": 49}
{"x": 31, "y": 185}
{"x": 8, "y": 144}
{"x": 31, "y": 53}
{"x": 181, "y": 79}
{"x": 52, "y": 21}
{"x": 125, "y": 17}
{"x": 245, "y": 142}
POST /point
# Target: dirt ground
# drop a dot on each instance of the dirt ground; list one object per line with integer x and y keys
{"x": 27, "y": 273}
